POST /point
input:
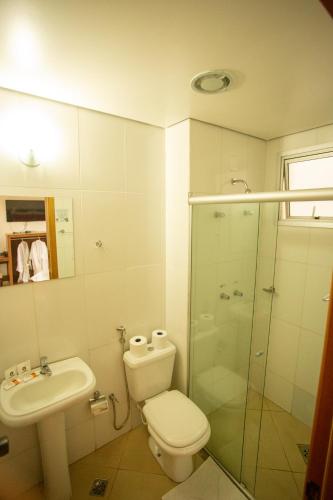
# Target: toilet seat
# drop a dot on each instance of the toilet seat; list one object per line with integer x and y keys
{"x": 176, "y": 423}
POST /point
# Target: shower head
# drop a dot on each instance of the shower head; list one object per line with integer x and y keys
{"x": 242, "y": 181}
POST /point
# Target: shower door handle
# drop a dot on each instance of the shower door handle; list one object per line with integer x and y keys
{"x": 271, "y": 289}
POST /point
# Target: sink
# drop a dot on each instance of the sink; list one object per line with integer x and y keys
{"x": 29, "y": 402}
{"x": 43, "y": 401}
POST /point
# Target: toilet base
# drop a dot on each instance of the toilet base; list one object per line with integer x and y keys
{"x": 177, "y": 468}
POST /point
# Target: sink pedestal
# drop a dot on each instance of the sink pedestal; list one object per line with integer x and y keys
{"x": 52, "y": 441}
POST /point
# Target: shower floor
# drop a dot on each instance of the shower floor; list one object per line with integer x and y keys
{"x": 280, "y": 471}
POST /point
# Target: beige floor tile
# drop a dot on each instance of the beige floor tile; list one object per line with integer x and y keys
{"x": 137, "y": 455}
{"x": 271, "y": 454}
{"x": 108, "y": 455}
{"x": 130, "y": 485}
{"x": 291, "y": 431}
{"x": 272, "y": 406}
{"x": 299, "y": 478}
{"x": 254, "y": 400}
{"x": 275, "y": 485}
{"x": 35, "y": 493}
{"x": 82, "y": 477}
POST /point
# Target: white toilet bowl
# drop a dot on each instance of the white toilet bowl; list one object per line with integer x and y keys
{"x": 178, "y": 429}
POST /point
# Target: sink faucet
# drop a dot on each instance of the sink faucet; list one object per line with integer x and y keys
{"x": 44, "y": 366}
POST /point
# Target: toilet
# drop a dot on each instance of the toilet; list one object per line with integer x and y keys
{"x": 177, "y": 427}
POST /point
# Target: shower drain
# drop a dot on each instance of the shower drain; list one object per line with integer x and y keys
{"x": 304, "y": 451}
{"x": 98, "y": 488}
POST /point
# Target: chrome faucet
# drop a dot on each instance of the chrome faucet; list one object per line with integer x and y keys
{"x": 44, "y": 366}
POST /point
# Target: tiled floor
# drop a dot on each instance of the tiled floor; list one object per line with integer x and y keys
{"x": 127, "y": 463}
{"x": 281, "y": 468}
{"x": 134, "y": 474}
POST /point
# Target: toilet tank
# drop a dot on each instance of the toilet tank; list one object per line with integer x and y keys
{"x": 150, "y": 374}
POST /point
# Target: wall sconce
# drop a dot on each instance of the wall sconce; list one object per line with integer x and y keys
{"x": 29, "y": 158}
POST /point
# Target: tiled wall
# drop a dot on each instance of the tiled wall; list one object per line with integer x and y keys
{"x": 218, "y": 154}
{"x": 304, "y": 261}
{"x": 201, "y": 158}
{"x": 113, "y": 169}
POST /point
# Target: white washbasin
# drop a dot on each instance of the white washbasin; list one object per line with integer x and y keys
{"x": 29, "y": 402}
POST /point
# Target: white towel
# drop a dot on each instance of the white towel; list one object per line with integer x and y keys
{"x": 23, "y": 262}
{"x": 40, "y": 261}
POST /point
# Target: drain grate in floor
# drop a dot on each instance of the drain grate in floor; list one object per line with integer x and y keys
{"x": 304, "y": 450}
{"x": 98, "y": 488}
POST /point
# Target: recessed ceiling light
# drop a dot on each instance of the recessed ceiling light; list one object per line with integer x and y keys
{"x": 211, "y": 82}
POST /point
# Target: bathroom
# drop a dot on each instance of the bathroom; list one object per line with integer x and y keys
{"x": 118, "y": 147}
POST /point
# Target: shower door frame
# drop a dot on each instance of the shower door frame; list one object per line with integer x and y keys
{"x": 315, "y": 470}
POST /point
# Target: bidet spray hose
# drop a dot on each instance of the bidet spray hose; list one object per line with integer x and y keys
{"x": 112, "y": 397}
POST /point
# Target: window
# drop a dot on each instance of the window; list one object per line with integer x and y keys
{"x": 312, "y": 171}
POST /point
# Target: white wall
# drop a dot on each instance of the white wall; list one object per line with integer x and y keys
{"x": 113, "y": 169}
{"x": 177, "y": 181}
{"x": 200, "y": 158}
{"x": 304, "y": 262}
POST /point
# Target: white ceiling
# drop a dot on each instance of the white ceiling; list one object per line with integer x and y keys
{"x": 135, "y": 58}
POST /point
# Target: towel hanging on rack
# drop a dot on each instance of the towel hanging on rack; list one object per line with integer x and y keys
{"x": 40, "y": 261}
{"x": 23, "y": 264}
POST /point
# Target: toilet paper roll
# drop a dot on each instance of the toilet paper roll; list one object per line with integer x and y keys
{"x": 206, "y": 321}
{"x": 138, "y": 345}
{"x": 159, "y": 339}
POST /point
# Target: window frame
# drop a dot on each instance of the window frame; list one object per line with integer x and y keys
{"x": 301, "y": 155}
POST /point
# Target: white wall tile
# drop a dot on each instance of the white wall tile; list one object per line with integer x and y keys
{"x": 102, "y": 151}
{"x": 321, "y": 247}
{"x": 105, "y": 306}
{"x": 233, "y": 160}
{"x": 143, "y": 299}
{"x": 104, "y": 431}
{"x": 53, "y": 131}
{"x": 206, "y": 149}
{"x": 309, "y": 361}
{"x": 144, "y": 149}
{"x": 293, "y": 243}
{"x": 77, "y": 414}
{"x": 303, "y": 406}
{"x": 279, "y": 390}
{"x": 67, "y": 317}
{"x": 20, "y": 473}
{"x": 20, "y": 439}
{"x": 289, "y": 286}
{"x": 283, "y": 349}
{"x": 103, "y": 214}
{"x": 317, "y": 285}
{"x": 17, "y": 326}
{"x": 255, "y": 163}
{"x": 80, "y": 440}
{"x": 61, "y": 325}
{"x": 177, "y": 238}
{"x": 143, "y": 229}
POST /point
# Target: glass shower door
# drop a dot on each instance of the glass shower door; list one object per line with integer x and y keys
{"x": 224, "y": 261}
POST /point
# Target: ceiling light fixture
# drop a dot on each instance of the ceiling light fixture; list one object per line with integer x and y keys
{"x": 211, "y": 82}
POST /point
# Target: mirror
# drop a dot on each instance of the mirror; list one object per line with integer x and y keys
{"x": 36, "y": 239}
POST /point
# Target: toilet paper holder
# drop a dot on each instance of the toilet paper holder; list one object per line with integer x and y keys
{"x": 97, "y": 396}
{"x": 98, "y": 404}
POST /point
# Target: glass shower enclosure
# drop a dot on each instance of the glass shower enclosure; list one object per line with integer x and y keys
{"x": 233, "y": 266}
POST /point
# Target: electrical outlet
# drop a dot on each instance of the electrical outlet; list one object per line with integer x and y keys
{"x": 24, "y": 367}
{"x": 10, "y": 372}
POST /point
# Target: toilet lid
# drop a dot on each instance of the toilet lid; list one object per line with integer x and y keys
{"x": 176, "y": 419}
